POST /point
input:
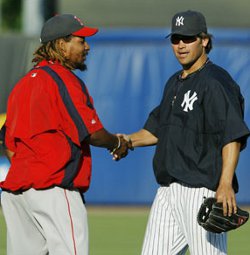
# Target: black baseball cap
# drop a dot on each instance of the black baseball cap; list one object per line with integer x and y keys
{"x": 188, "y": 23}
{"x": 62, "y": 25}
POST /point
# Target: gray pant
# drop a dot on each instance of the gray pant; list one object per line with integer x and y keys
{"x": 40, "y": 222}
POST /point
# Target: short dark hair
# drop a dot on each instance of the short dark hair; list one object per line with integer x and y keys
{"x": 210, "y": 43}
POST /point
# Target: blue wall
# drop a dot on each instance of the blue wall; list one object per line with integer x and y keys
{"x": 127, "y": 70}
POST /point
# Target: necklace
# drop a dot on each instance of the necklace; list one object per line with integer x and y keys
{"x": 179, "y": 85}
{"x": 191, "y": 74}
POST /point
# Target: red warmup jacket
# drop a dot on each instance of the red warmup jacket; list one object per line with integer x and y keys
{"x": 49, "y": 115}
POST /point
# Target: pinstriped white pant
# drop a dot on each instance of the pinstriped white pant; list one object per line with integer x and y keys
{"x": 172, "y": 226}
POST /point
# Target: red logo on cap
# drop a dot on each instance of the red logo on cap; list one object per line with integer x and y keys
{"x": 78, "y": 20}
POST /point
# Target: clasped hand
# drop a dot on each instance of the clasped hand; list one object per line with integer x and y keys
{"x": 122, "y": 150}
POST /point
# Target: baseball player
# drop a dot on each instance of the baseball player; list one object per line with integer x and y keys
{"x": 51, "y": 121}
{"x": 198, "y": 129}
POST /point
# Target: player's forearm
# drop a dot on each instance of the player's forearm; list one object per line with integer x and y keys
{"x": 142, "y": 138}
{"x": 118, "y": 146}
{"x": 230, "y": 156}
{"x": 225, "y": 192}
{"x": 103, "y": 138}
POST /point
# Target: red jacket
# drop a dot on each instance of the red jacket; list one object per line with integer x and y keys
{"x": 47, "y": 122}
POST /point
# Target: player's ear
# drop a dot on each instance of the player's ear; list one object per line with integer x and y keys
{"x": 204, "y": 42}
{"x": 61, "y": 45}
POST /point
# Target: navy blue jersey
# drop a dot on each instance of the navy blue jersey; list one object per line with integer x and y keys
{"x": 196, "y": 118}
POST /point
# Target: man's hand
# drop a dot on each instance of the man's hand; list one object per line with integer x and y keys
{"x": 122, "y": 149}
{"x": 225, "y": 195}
{"x": 137, "y": 139}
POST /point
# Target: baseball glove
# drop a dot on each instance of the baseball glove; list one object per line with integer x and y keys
{"x": 211, "y": 218}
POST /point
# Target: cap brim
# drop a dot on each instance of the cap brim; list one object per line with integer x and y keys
{"x": 183, "y": 34}
{"x": 85, "y": 31}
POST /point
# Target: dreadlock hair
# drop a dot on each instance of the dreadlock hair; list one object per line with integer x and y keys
{"x": 210, "y": 44}
{"x": 52, "y": 51}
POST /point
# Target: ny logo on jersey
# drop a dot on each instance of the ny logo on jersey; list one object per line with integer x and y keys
{"x": 179, "y": 21}
{"x": 188, "y": 101}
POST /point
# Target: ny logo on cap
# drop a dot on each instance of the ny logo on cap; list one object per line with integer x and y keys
{"x": 179, "y": 21}
{"x": 78, "y": 20}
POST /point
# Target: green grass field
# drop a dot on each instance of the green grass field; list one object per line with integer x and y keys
{"x": 120, "y": 231}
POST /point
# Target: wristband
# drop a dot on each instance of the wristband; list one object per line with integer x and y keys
{"x": 118, "y": 145}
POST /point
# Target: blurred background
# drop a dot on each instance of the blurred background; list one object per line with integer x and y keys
{"x": 128, "y": 65}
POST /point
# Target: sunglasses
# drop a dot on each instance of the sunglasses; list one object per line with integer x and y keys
{"x": 175, "y": 39}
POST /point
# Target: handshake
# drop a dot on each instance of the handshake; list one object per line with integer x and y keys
{"x": 121, "y": 150}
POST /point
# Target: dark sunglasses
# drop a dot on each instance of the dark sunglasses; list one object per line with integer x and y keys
{"x": 175, "y": 39}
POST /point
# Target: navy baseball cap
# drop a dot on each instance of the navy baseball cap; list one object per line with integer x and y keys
{"x": 62, "y": 25}
{"x": 188, "y": 23}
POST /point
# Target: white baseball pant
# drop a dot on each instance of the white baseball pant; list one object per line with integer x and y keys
{"x": 172, "y": 226}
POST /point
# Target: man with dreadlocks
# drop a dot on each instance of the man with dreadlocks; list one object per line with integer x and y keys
{"x": 51, "y": 121}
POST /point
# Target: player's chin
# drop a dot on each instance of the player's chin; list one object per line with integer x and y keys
{"x": 183, "y": 60}
{"x": 81, "y": 66}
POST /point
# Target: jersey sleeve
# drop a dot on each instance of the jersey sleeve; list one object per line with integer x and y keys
{"x": 152, "y": 122}
{"x": 85, "y": 107}
{"x": 79, "y": 108}
{"x": 40, "y": 104}
{"x": 224, "y": 113}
